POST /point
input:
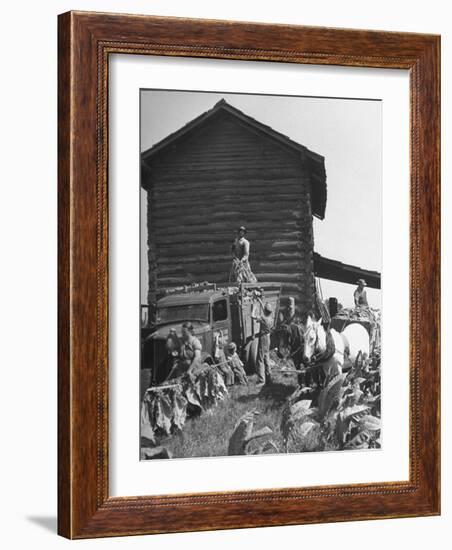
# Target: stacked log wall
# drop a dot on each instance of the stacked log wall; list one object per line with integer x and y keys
{"x": 201, "y": 189}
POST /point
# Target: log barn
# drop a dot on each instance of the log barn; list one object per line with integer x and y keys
{"x": 222, "y": 170}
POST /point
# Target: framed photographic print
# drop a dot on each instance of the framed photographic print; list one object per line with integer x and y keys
{"x": 248, "y": 275}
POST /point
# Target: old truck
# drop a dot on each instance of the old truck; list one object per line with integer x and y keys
{"x": 217, "y": 312}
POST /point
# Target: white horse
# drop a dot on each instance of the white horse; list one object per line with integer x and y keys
{"x": 333, "y": 354}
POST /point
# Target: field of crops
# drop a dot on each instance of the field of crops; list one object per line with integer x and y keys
{"x": 344, "y": 414}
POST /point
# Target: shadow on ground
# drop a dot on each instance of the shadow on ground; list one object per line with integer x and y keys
{"x": 277, "y": 392}
{"x": 49, "y": 523}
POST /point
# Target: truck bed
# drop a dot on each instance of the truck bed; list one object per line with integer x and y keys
{"x": 243, "y": 299}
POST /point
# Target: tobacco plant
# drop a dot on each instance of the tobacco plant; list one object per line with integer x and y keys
{"x": 345, "y": 414}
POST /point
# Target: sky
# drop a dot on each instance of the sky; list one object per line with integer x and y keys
{"x": 347, "y": 132}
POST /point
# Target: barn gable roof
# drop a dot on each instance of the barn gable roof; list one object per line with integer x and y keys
{"x": 316, "y": 162}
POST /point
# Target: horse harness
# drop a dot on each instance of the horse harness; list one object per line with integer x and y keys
{"x": 330, "y": 348}
{"x": 289, "y": 329}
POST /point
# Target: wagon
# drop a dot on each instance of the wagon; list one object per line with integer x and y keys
{"x": 369, "y": 318}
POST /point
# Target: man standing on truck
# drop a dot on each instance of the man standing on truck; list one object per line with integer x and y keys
{"x": 263, "y": 351}
{"x": 240, "y": 269}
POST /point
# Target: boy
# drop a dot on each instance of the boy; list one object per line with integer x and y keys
{"x": 235, "y": 364}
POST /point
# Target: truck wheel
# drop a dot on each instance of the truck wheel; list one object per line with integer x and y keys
{"x": 251, "y": 355}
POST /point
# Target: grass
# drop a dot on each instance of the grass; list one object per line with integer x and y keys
{"x": 208, "y": 434}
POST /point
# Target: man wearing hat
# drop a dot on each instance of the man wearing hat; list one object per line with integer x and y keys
{"x": 289, "y": 315}
{"x": 360, "y": 294}
{"x": 240, "y": 269}
{"x": 263, "y": 351}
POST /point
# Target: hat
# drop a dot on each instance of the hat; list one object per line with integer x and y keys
{"x": 268, "y": 307}
{"x": 242, "y": 228}
{"x": 231, "y": 347}
{"x": 361, "y": 282}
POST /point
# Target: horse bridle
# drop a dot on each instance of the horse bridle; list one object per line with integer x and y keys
{"x": 315, "y": 356}
{"x": 316, "y": 338}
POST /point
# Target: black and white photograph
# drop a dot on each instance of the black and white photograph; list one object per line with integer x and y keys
{"x": 226, "y": 226}
{"x": 260, "y": 276}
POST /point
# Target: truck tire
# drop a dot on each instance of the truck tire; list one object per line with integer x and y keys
{"x": 251, "y": 355}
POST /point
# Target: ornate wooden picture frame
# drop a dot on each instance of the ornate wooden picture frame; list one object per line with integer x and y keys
{"x": 86, "y": 40}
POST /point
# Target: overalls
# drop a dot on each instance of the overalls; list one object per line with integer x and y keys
{"x": 263, "y": 350}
